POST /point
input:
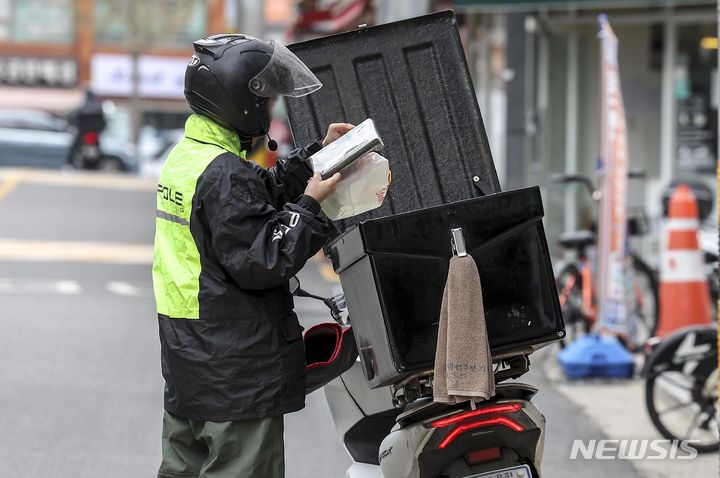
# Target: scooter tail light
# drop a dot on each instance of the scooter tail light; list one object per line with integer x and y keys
{"x": 501, "y": 408}
{"x": 489, "y": 422}
{"x": 482, "y": 456}
{"x": 90, "y": 138}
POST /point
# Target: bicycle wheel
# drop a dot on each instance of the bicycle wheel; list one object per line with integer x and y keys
{"x": 646, "y": 300}
{"x": 569, "y": 285}
{"x": 681, "y": 389}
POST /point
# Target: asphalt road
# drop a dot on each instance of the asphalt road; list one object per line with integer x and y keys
{"x": 80, "y": 383}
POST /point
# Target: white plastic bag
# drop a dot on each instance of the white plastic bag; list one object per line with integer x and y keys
{"x": 362, "y": 188}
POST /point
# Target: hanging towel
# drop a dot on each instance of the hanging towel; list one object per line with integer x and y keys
{"x": 463, "y": 364}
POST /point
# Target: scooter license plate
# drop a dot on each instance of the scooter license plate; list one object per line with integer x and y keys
{"x": 522, "y": 471}
{"x": 91, "y": 152}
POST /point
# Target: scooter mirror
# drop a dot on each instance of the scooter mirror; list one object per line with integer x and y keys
{"x": 294, "y": 285}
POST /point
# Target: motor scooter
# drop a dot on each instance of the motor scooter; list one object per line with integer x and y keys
{"x": 400, "y": 432}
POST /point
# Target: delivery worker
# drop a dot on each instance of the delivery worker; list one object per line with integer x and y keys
{"x": 229, "y": 235}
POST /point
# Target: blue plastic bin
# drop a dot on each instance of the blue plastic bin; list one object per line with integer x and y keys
{"x": 596, "y": 356}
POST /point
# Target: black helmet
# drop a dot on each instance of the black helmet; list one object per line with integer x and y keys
{"x": 230, "y": 78}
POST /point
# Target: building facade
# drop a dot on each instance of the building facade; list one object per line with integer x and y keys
{"x": 537, "y": 74}
{"x": 52, "y": 50}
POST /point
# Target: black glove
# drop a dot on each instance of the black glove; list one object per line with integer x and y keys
{"x": 294, "y": 172}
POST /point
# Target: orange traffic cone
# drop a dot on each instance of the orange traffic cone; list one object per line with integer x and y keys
{"x": 684, "y": 293}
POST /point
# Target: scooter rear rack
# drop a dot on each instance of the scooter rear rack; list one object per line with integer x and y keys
{"x": 419, "y": 385}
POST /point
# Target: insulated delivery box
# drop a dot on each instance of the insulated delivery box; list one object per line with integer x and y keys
{"x": 411, "y": 78}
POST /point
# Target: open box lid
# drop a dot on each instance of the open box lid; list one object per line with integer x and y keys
{"x": 412, "y": 79}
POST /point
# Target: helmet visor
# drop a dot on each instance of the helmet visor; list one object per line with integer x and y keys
{"x": 284, "y": 75}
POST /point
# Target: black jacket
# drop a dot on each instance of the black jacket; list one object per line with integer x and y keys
{"x": 230, "y": 342}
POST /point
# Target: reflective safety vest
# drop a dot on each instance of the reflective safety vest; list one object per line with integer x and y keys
{"x": 229, "y": 235}
{"x": 176, "y": 265}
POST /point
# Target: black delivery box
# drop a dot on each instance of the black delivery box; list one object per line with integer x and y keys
{"x": 393, "y": 272}
{"x": 411, "y": 78}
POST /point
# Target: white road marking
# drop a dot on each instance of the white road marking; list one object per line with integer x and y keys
{"x": 39, "y": 287}
{"x": 130, "y": 289}
{"x": 70, "y": 287}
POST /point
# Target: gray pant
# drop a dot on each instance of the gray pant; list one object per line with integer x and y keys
{"x": 242, "y": 449}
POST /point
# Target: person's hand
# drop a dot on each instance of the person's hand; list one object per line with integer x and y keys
{"x": 335, "y": 130}
{"x": 320, "y": 189}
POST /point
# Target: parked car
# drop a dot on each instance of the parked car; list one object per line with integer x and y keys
{"x": 38, "y": 139}
{"x": 155, "y": 146}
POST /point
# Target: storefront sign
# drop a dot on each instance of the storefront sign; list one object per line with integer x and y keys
{"x": 29, "y": 71}
{"x": 612, "y": 278}
{"x": 696, "y": 136}
{"x": 161, "y": 77}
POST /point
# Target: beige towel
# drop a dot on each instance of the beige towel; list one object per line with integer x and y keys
{"x": 463, "y": 364}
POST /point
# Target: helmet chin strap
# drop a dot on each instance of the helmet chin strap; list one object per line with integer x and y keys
{"x": 246, "y": 142}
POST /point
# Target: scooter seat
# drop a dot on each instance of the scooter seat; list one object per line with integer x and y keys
{"x": 576, "y": 239}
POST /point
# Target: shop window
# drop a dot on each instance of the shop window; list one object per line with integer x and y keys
{"x": 160, "y": 23}
{"x": 5, "y": 9}
{"x": 37, "y": 21}
{"x": 111, "y": 26}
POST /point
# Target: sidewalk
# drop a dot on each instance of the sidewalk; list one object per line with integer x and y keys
{"x": 618, "y": 409}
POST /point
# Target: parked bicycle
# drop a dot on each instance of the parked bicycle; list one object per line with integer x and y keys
{"x": 576, "y": 284}
{"x": 681, "y": 387}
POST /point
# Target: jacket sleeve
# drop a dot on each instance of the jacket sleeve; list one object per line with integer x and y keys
{"x": 259, "y": 246}
{"x": 288, "y": 178}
